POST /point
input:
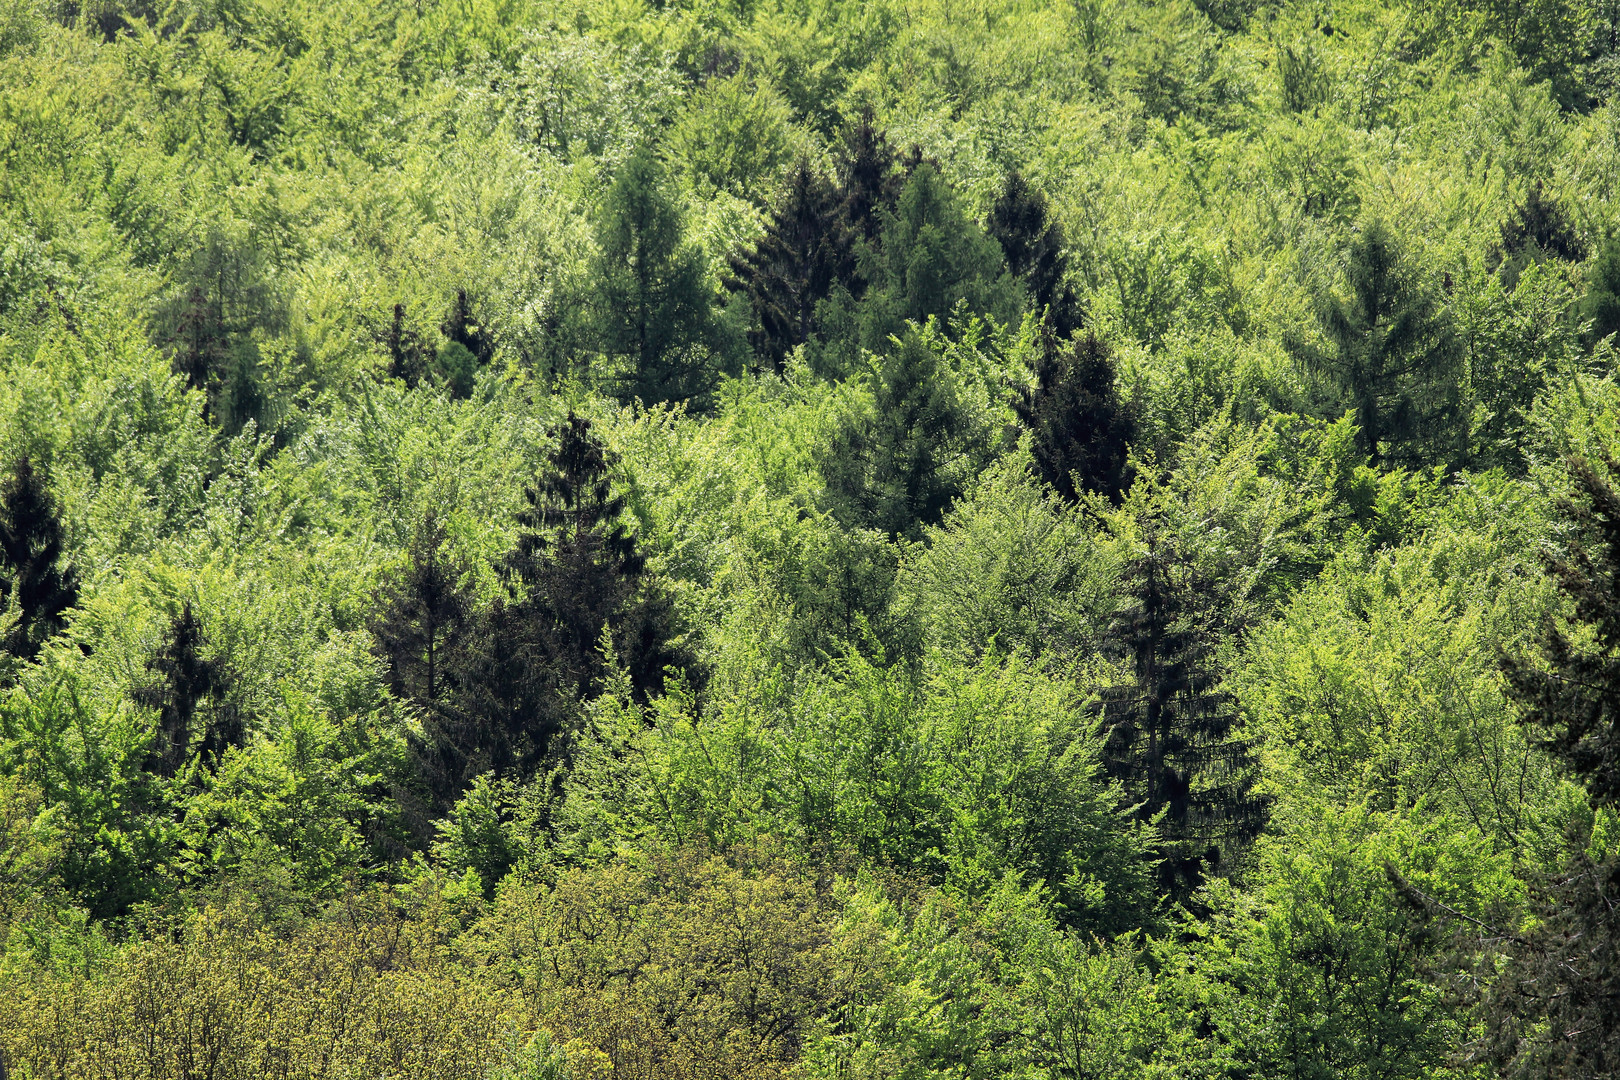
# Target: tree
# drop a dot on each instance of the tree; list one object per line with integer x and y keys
{"x": 186, "y": 679}
{"x": 805, "y": 251}
{"x": 1020, "y": 221}
{"x": 899, "y": 466}
{"x": 574, "y": 578}
{"x": 1171, "y": 739}
{"x": 1556, "y": 1010}
{"x": 929, "y": 257}
{"x": 1601, "y": 306}
{"x": 1393, "y": 354}
{"x": 651, "y": 300}
{"x": 1538, "y": 230}
{"x": 409, "y": 357}
{"x": 34, "y": 579}
{"x": 868, "y": 179}
{"x": 422, "y": 629}
{"x": 1081, "y": 430}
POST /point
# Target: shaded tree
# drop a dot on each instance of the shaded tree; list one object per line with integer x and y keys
{"x": 186, "y": 680}
{"x": 1555, "y": 1011}
{"x": 421, "y": 627}
{"x": 1537, "y": 230}
{"x": 869, "y": 179}
{"x": 35, "y": 580}
{"x": 1080, "y": 428}
{"x": 805, "y": 252}
{"x": 409, "y": 357}
{"x": 574, "y": 575}
{"x": 1393, "y": 354}
{"x": 1171, "y": 738}
{"x": 462, "y": 328}
{"x": 898, "y": 466}
{"x": 1021, "y": 222}
{"x": 1601, "y": 305}
{"x": 652, "y": 304}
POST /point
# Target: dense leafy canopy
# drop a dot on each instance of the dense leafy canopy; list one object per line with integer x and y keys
{"x": 694, "y": 539}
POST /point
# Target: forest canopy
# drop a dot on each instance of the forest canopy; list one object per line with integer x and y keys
{"x": 712, "y": 539}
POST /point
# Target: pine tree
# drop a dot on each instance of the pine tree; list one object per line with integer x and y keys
{"x": 33, "y": 577}
{"x": 1170, "y": 738}
{"x": 574, "y": 573}
{"x": 1081, "y": 430}
{"x": 652, "y": 303}
{"x": 899, "y": 467}
{"x": 1601, "y": 305}
{"x": 1555, "y": 1010}
{"x": 869, "y": 181}
{"x": 186, "y": 680}
{"x": 805, "y": 251}
{"x": 1020, "y": 221}
{"x": 422, "y": 628}
{"x": 1394, "y": 355}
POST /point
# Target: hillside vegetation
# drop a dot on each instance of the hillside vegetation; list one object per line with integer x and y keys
{"x": 782, "y": 538}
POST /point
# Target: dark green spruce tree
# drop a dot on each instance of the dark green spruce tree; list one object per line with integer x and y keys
{"x": 574, "y": 573}
{"x": 190, "y": 694}
{"x": 35, "y": 580}
{"x": 1080, "y": 428}
{"x": 650, "y": 297}
{"x": 1555, "y": 1010}
{"x": 869, "y": 179}
{"x": 1171, "y": 737}
{"x": 421, "y": 626}
{"x": 1021, "y": 222}
{"x": 806, "y": 250}
{"x": 1600, "y": 307}
{"x": 1394, "y": 355}
{"x": 898, "y": 467}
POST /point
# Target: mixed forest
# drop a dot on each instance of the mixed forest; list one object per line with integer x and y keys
{"x": 706, "y": 539}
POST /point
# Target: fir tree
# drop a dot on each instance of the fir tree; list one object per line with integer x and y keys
{"x": 421, "y": 628}
{"x": 1032, "y": 242}
{"x": 1555, "y": 1011}
{"x": 1170, "y": 737}
{"x": 651, "y": 300}
{"x": 574, "y": 574}
{"x": 461, "y": 328}
{"x": 33, "y": 577}
{"x": 868, "y": 179}
{"x": 899, "y": 467}
{"x": 409, "y": 357}
{"x": 1601, "y": 305}
{"x": 805, "y": 251}
{"x": 186, "y": 680}
{"x": 1394, "y": 355}
{"x": 1080, "y": 429}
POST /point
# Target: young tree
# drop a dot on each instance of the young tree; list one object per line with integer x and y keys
{"x": 1170, "y": 732}
{"x": 186, "y": 680}
{"x": 34, "y": 579}
{"x": 1393, "y": 354}
{"x": 805, "y": 251}
{"x": 869, "y": 180}
{"x": 1020, "y": 221}
{"x": 1081, "y": 430}
{"x": 899, "y": 466}
{"x": 1555, "y": 1012}
{"x": 651, "y": 301}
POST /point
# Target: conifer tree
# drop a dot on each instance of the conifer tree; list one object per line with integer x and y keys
{"x": 574, "y": 573}
{"x": 463, "y": 329}
{"x": 1081, "y": 430}
{"x": 186, "y": 680}
{"x": 422, "y": 630}
{"x": 1394, "y": 355}
{"x": 1601, "y": 305}
{"x": 868, "y": 179}
{"x": 899, "y": 467}
{"x": 1021, "y": 222}
{"x": 1555, "y": 1011}
{"x": 651, "y": 300}
{"x": 1170, "y": 737}
{"x": 409, "y": 357}
{"x": 805, "y": 251}
{"x": 33, "y": 577}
